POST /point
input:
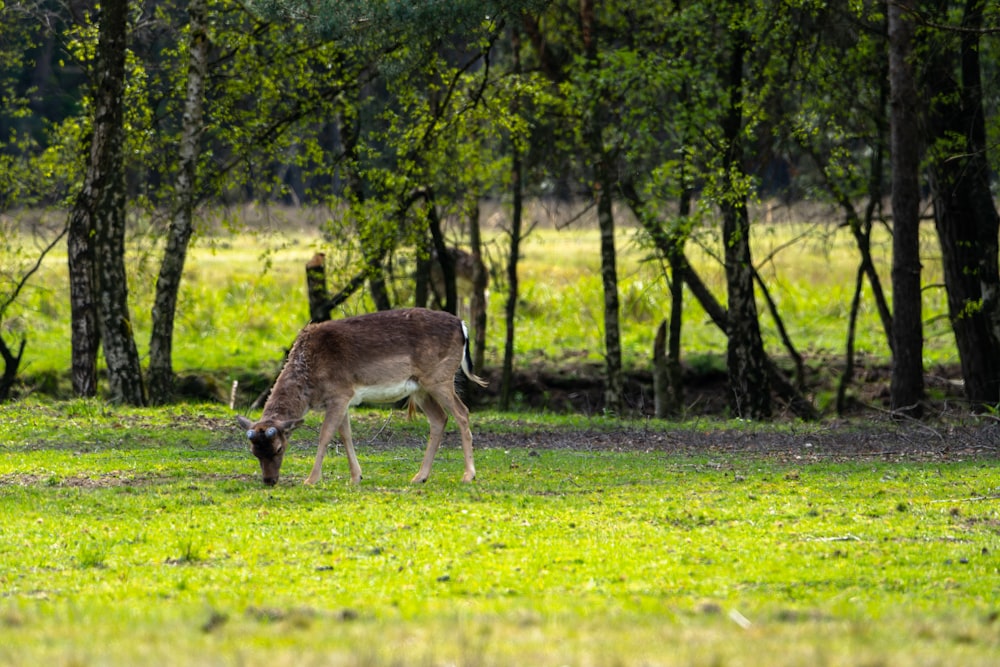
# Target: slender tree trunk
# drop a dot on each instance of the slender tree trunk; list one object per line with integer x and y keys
{"x": 749, "y": 383}
{"x": 613, "y": 392}
{"x": 661, "y": 381}
{"x": 964, "y": 212}
{"x": 99, "y": 292}
{"x": 445, "y": 259}
{"x": 675, "y": 260}
{"x": 604, "y": 184}
{"x": 517, "y": 196}
{"x": 480, "y": 279}
{"x": 161, "y": 371}
{"x": 852, "y": 321}
{"x": 907, "y": 385}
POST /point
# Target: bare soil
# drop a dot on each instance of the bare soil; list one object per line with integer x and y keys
{"x": 867, "y": 429}
{"x": 579, "y": 388}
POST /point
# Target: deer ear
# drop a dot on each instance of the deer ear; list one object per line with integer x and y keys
{"x": 291, "y": 425}
{"x": 244, "y": 422}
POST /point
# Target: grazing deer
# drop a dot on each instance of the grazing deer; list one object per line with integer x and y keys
{"x": 382, "y": 357}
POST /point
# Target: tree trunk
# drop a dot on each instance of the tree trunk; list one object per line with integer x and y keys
{"x": 852, "y": 322}
{"x": 161, "y": 371}
{"x": 964, "y": 212}
{"x": 11, "y": 363}
{"x": 480, "y": 279}
{"x": 749, "y": 386}
{"x": 662, "y": 395}
{"x": 603, "y": 185}
{"x": 676, "y": 261}
{"x": 683, "y": 273}
{"x": 907, "y": 385}
{"x": 98, "y": 288}
{"x": 316, "y": 288}
{"x": 85, "y": 338}
{"x": 517, "y": 206}
{"x": 613, "y": 392}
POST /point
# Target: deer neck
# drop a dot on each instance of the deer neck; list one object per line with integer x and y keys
{"x": 289, "y": 397}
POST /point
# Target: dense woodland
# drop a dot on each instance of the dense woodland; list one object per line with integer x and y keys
{"x": 399, "y": 115}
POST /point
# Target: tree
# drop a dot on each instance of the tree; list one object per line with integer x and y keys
{"x": 96, "y": 243}
{"x": 907, "y": 385}
{"x": 749, "y": 385}
{"x": 161, "y": 372}
{"x": 604, "y": 183}
{"x": 964, "y": 211}
{"x": 835, "y": 113}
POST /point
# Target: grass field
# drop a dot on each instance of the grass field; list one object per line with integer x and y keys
{"x": 146, "y": 537}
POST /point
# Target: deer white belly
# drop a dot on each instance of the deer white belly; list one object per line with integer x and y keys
{"x": 384, "y": 393}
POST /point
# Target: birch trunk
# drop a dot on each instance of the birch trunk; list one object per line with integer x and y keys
{"x": 161, "y": 372}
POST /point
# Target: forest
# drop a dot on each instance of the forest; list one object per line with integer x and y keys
{"x": 400, "y": 119}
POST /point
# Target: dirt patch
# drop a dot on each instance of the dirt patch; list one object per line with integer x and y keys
{"x": 885, "y": 440}
{"x": 578, "y": 387}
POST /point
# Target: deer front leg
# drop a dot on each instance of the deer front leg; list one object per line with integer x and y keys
{"x": 335, "y": 420}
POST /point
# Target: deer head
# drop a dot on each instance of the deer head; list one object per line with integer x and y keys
{"x": 267, "y": 442}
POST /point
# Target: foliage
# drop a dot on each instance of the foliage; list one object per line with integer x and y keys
{"x": 148, "y": 537}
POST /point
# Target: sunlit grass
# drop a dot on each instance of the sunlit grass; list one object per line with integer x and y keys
{"x": 146, "y": 537}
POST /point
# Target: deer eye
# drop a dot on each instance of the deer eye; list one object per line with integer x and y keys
{"x": 250, "y": 434}
{"x": 271, "y": 432}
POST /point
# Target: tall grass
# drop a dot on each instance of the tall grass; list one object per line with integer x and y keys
{"x": 243, "y": 298}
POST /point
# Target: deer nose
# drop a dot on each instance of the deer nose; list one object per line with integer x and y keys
{"x": 270, "y": 481}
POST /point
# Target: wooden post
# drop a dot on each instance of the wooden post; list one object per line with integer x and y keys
{"x": 661, "y": 378}
{"x": 319, "y": 299}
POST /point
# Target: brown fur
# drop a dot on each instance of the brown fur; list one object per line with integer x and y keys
{"x": 381, "y": 357}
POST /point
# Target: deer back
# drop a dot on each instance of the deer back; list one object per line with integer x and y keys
{"x": 388, "y": 352}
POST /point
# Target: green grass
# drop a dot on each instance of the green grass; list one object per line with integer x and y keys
{"x": 243, "y": 300}
{"x": 146, "y": 537}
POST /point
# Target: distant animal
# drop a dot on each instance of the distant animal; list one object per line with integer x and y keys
{"x": 381, "y": 357}
{"x": 472, "y": 279}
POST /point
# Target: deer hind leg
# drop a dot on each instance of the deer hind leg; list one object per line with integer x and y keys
{"x": 446, "y": 397}
{"x": 437, "y": 418}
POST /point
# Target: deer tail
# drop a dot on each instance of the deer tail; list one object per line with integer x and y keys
{"x": 467, "y": 360}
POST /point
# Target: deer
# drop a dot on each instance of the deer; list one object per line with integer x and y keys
{"x": 378, "y": 358}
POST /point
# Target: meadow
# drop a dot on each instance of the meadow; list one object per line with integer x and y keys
{"x": 141, "y": 536}
{"x": 145, "y": 536}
